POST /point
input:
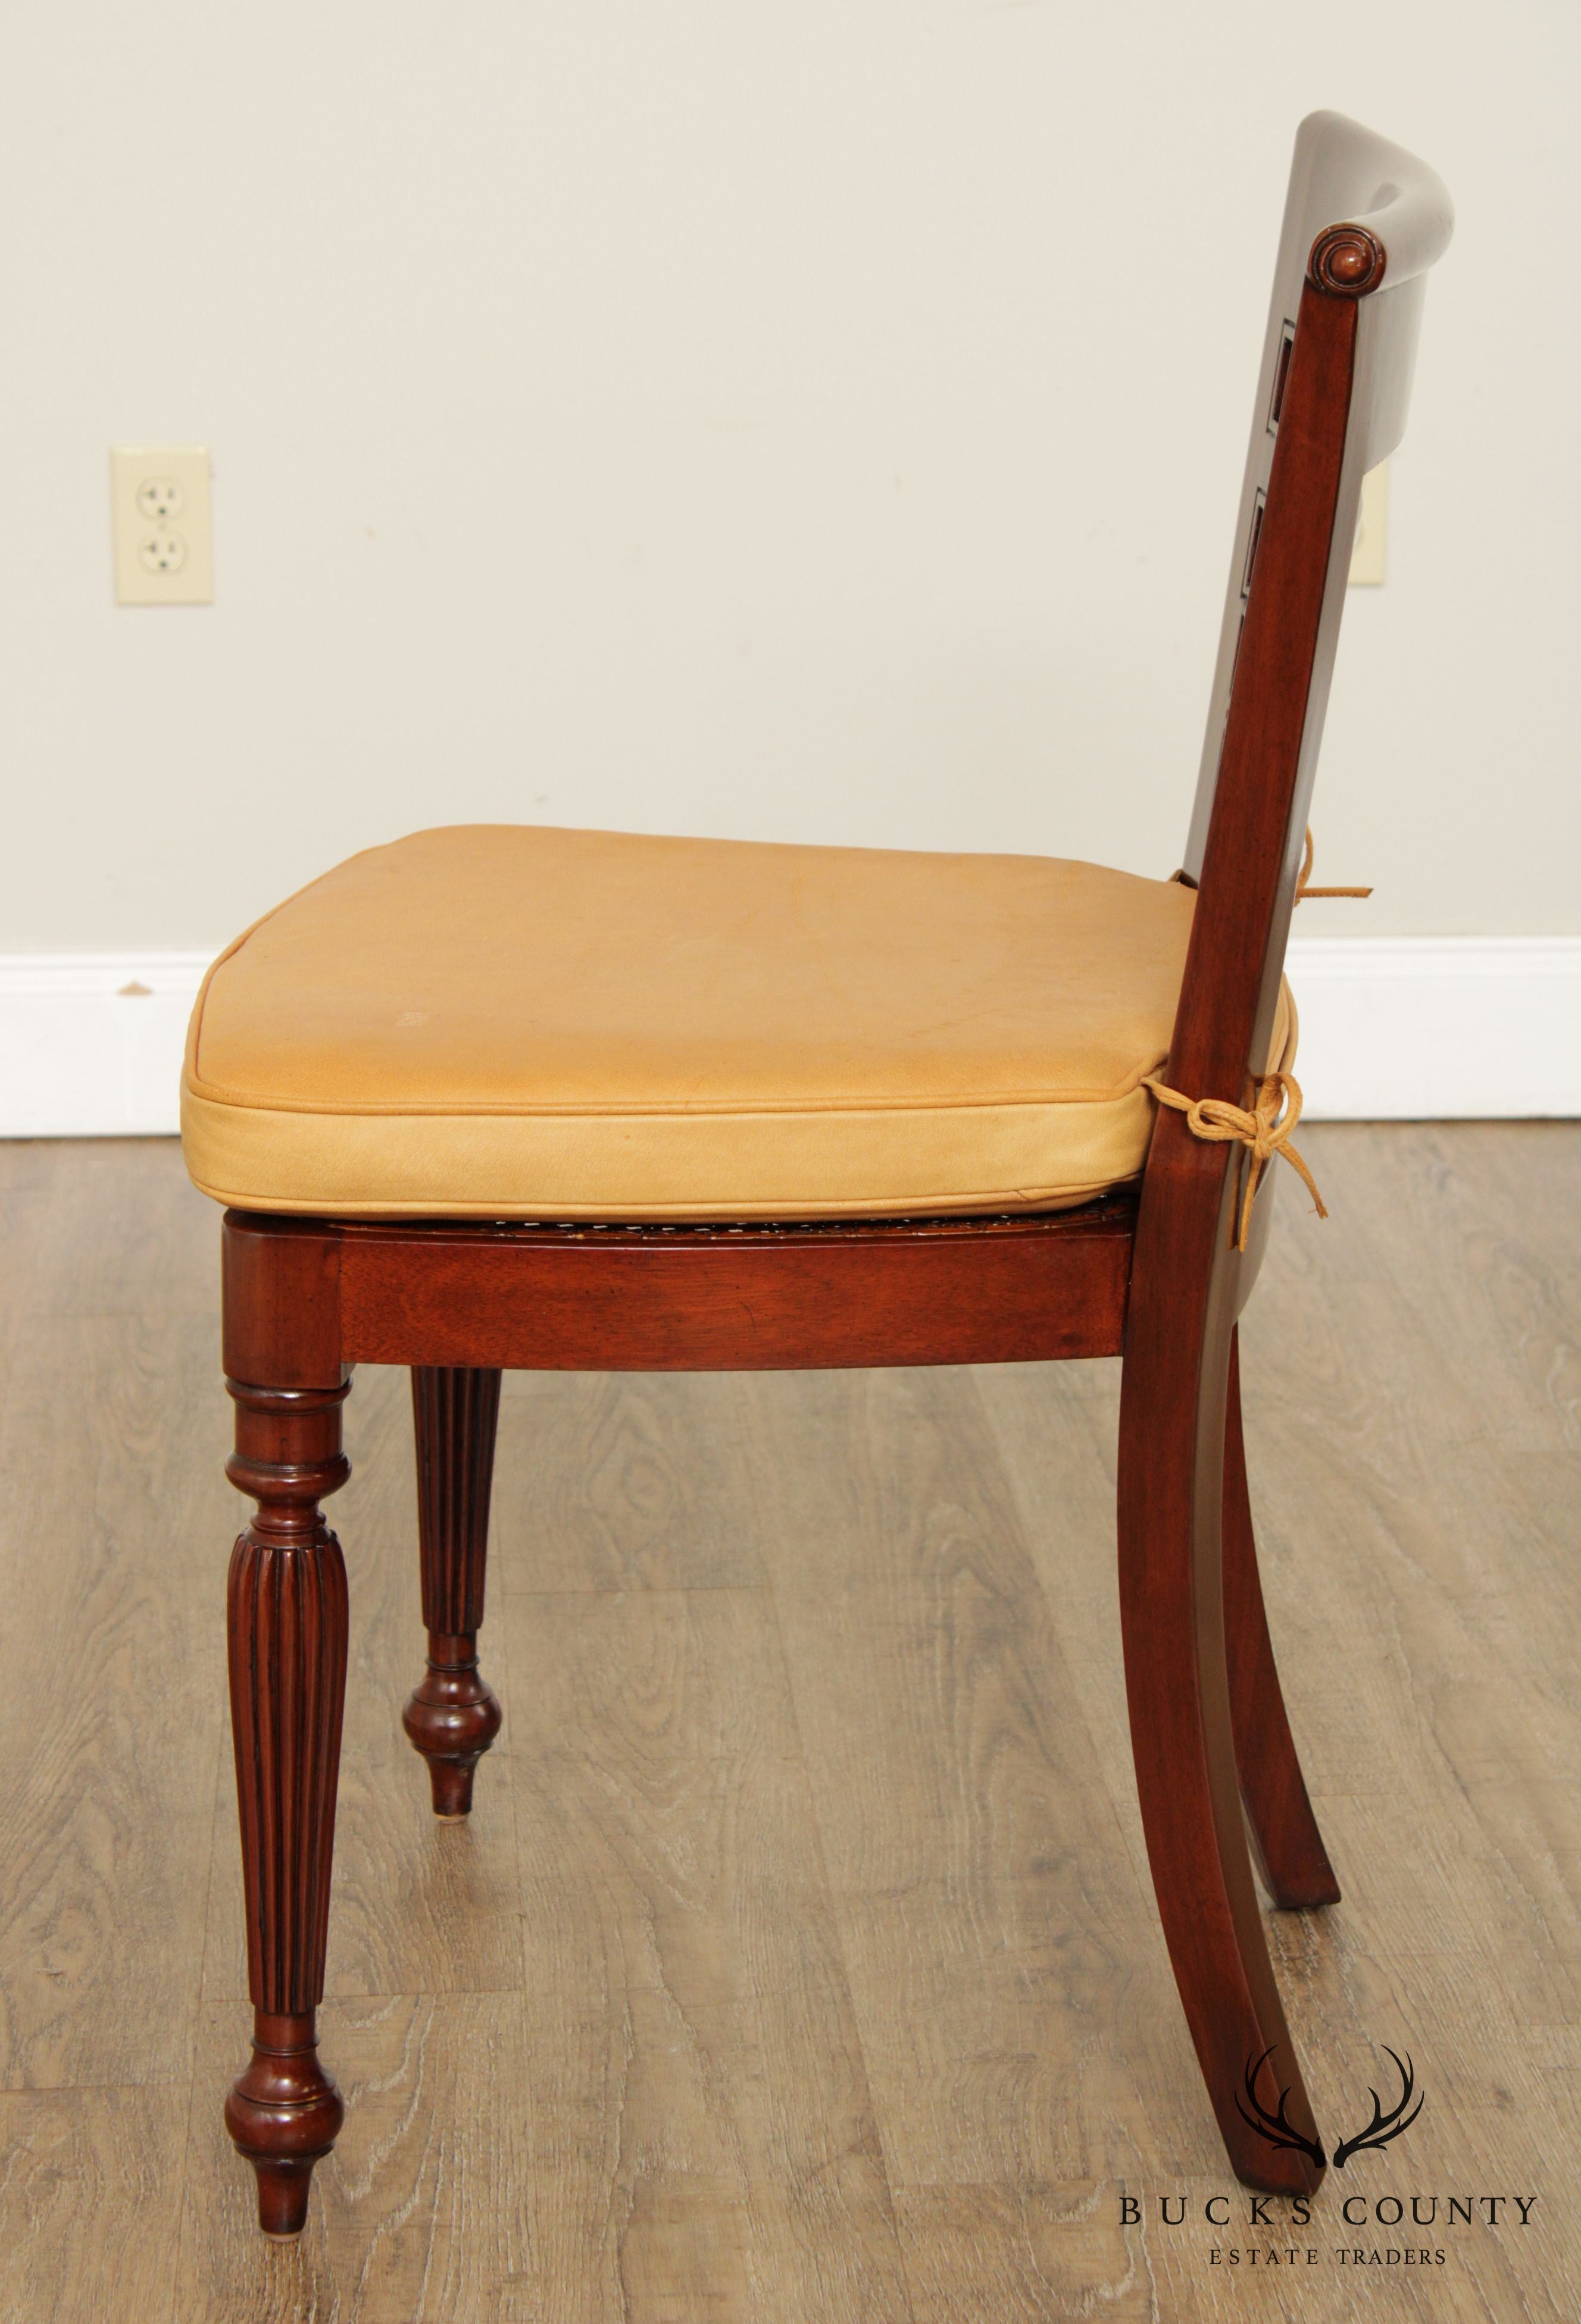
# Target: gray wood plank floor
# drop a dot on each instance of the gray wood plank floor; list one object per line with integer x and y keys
{"x": 800, "y": 1962}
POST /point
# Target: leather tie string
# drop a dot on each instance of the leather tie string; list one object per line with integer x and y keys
{"x": 1265, "y": 1131}
{"x": 1304, "y": 880}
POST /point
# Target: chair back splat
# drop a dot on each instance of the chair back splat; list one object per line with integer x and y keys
{"x": 1363, "y": 223}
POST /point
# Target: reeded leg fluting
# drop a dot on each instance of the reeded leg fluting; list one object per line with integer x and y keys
{"x": 288, "y": 1635}
{"x": 452, "y": 1717}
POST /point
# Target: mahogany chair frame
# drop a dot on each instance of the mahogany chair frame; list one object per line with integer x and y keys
{"x": 1153, "y": 1276}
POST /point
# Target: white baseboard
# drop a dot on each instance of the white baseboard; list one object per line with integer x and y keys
{"x": 91, "y": 1042}
{"x": 1394, "y": 1028}
{"x": 1435, "y": 1028}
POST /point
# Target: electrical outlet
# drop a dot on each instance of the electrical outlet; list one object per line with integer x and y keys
{"x": 159, "y": 507}
{"x": 1367, "y": 565}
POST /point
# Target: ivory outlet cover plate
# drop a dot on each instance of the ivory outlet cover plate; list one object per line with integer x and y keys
{"x": 1367, "y": 565}
{"x": 160, "y": 523}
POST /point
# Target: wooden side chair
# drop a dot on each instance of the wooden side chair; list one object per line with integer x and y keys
{"x": 504, "y": 1097}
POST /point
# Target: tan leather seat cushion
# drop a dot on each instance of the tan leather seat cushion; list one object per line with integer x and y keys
{"x": 506, "y": 1022}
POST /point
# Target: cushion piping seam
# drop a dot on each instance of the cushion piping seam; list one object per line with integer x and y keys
{"x": 722, "y": 1109}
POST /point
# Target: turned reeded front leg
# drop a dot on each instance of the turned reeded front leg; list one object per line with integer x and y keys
{"x": 288, "y": 1630}
{"x": 453, "y": 1717}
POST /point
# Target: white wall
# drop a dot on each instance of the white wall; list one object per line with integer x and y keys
{"x": 816, "y": 420}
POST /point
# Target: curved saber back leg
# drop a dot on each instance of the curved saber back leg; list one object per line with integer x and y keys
{"x": 1171, "y": 1606}
{"x": 1285, "y": 1839}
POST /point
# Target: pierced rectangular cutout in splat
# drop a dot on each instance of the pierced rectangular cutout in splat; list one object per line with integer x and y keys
{"x": 1281, "y": 371}
{"x": 1253, "y": 537}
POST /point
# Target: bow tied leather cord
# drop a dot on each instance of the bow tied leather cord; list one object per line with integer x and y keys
{"x": 1304, "y": 877}
{"x": 1265, "y": 1131}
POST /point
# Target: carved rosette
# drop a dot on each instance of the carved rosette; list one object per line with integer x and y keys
{"x": 453, "y": 1717}
{"x": 1347, "y": 262}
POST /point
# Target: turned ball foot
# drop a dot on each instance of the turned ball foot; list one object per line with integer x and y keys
{"x": 451, "y": 1719}
{"x": 283, "y": 2115}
